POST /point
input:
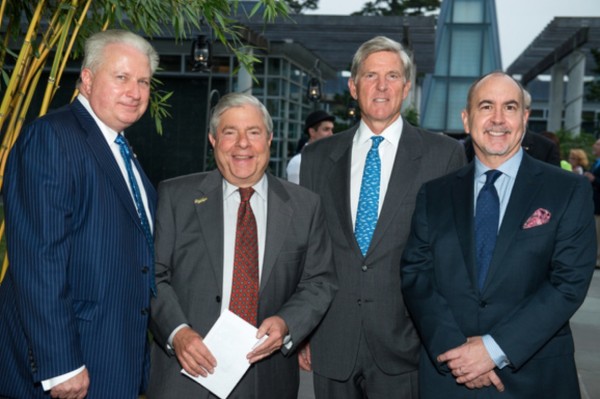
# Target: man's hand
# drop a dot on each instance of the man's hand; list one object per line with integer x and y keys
{"x": 468, "y": 361}
{"x": 304, "y": 358}
{"x": 276, "y": 329}
{"x": 74, "y": 388}
{"x": 486, "y": 380}
{"x": 193, "y": 355}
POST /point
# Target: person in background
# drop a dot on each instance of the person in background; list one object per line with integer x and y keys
{"x": 554, "y": 138}
{"x": 318, "y": 125}
{"x": 368, "y": 178}
{"x": 499, "y": 258}
{"x": 593, "y": 176}
{"x": 241, "y": 239}
{"x": 578, "y": 160}
{"x": 74, "y": 306}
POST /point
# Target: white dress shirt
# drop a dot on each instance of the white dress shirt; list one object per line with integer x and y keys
{"x": 361, "y": 144}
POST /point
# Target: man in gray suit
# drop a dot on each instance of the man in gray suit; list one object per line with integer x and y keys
{"x": 196, "y": 261}
{"x": 366, "y": 345}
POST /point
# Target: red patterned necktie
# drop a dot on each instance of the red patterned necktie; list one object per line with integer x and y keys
{"x": 244, "y": 288}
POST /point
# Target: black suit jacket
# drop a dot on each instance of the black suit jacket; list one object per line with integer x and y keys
{"x": 538, "y": 277}
{"x": 369, "y": 300}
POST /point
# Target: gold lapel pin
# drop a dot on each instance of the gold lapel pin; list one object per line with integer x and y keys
{"x": 198, "y": 201}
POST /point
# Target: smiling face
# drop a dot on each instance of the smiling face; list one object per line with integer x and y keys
{"x": 380, "y": 87}
{"x": 496, "y": 119}
{"x": 119, "y": 89}
{"x": 242, "y": 145}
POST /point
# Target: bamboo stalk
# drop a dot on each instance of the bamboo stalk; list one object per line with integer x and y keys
{"x": 21, "y": 60}
{"x": 50, "y": 87}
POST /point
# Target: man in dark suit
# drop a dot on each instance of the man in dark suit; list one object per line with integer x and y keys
{"x": 366, "y": 345}
{"x": 74, "y": 306}
{"x": 197, "y": 262}
{"x": 500, "y": 256}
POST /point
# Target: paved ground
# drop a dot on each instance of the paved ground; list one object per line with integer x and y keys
{"x": 586, "y": 329}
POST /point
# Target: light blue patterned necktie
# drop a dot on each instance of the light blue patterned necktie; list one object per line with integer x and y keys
{"x": 139, "y": 204}
{"x": 487, "y": 217}
{"x": 368, "y": 200}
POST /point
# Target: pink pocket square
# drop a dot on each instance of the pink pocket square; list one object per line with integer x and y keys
{"x": 539, "y": 217}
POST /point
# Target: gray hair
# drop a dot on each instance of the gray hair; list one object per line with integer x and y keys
{"x": 233, "y": 100}
{"x": 95, "y": 44}
{"x": 498, "y": 73}
{"x": 377, "y": 44}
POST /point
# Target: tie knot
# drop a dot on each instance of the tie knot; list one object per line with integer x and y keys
{"x": 246, "y": 193}
{"x": 376, "y": 141}
{"x": 120, "y": 140}
{"x": 491, "y": 176}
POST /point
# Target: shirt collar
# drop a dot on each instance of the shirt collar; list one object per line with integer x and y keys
{"x": 390, "y": 134}
{"x": 109, "y": 134}
{"x": 260, "y": 188}
{"x": 510, "y": 167}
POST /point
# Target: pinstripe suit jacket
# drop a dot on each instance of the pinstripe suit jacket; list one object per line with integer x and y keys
{"x": 78, "y": 289}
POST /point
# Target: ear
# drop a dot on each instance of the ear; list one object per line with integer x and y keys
{"x": 406, "y": 90}
{"x": 465, "y": 120}
{"x": 87, "y": 78}
{"x": 352, "y": 88}
{"x": 212, "y": 139}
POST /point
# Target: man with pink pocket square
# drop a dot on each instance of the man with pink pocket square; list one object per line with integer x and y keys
{"x": 500, "y": 256}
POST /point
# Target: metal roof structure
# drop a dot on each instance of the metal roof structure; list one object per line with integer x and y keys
{"x": 559, "y": 38}
{"x": 335, "y": 39}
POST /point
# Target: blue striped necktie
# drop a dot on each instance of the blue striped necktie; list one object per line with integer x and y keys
{"x": 487, "y": 216}
{"x": 139, "y": 204}
{"x": 368, "y": 200}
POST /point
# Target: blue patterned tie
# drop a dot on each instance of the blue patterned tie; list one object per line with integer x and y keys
{"x": 487, "y": 216}
{"x": 368, "y": 201}
{"x": 139, "y": 204}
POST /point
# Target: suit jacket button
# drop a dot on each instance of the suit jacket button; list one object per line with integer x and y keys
{"x": 364, "y": 268}
{"x": 218, "y": 298}
{"x": 144, "y": 311}
{"x": 482, "y": 304}
{"x": 145, "y": 269}
{"x": 359, "y": 302}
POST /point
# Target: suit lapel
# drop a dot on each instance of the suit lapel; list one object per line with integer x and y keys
{"x": 339, "y": 185}
{"x": 209, "y": 210}
{"x": 406, "y": 166}
{"x": 524, "y": 191}
{"x": 462, "y": 203}
{"x": 106, "y": 160}
{"x": 279, "y": 216}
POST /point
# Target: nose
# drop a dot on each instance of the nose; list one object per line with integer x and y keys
{"x": 133, "y": 90}
{"x": 242, "y": 140}
{"x": 382, "y": 83}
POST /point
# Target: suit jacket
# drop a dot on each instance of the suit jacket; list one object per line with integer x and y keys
{"x": 77, "y": 289}
{"x": 537, "y": 278}
{"x": 596, "y": 187}
{"x": 533, "y": 143}
{"x": 297, "y": 281}
{"x": 369, "y": 300}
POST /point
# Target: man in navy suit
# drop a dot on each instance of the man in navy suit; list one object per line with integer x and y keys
{"x": 74, "y": 306}
{"x": 499, "y": 328}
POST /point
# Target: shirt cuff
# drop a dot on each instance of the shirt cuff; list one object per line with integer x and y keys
{"x": 496, "y": 353}
{"x": 170, "y": 339}
{"x": 52, "y": 382}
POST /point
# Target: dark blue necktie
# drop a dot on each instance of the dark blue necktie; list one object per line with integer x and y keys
{"x": 139, "y": 204}
{"x": 368, "y": 200}
{"x": 487, "y": 216}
